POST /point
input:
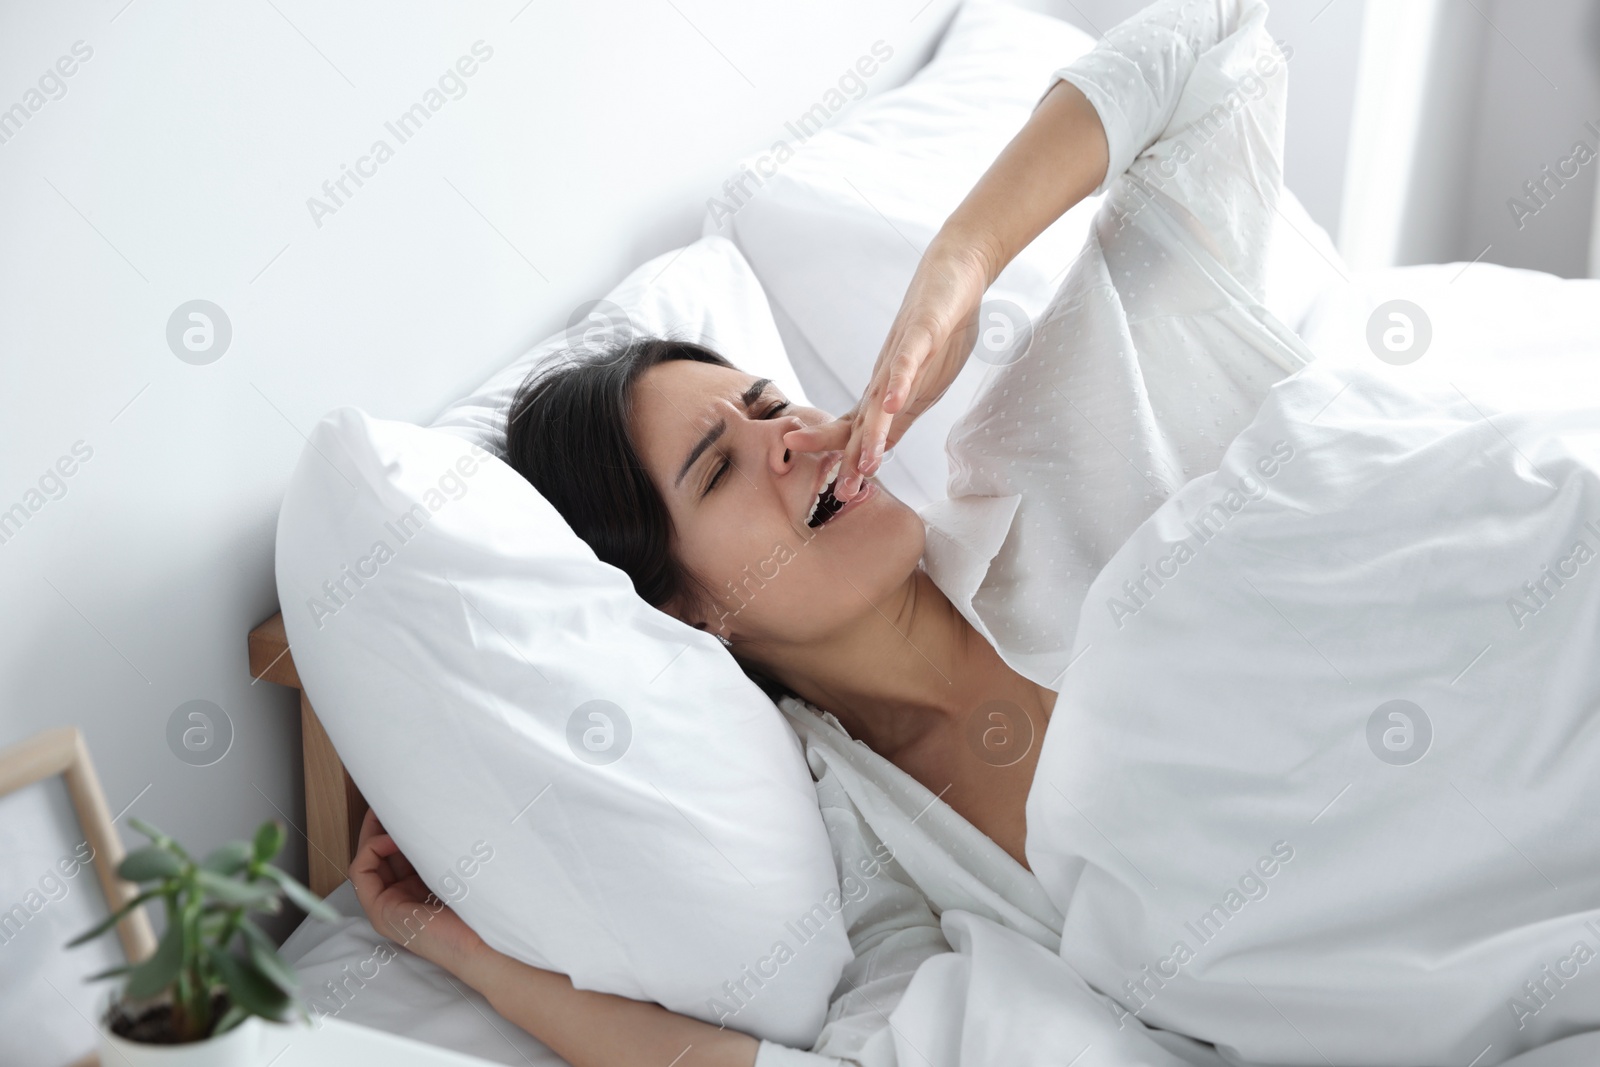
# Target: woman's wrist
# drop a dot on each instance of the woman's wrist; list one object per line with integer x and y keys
{"x": 969, "y": 245}
{"x": 1058, "y": 158}
{"x": 476, "y": 965}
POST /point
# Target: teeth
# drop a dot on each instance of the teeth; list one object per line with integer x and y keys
{"x": 827, "y": 481}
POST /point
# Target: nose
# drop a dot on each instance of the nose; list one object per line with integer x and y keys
{"x": 781, "y": 458}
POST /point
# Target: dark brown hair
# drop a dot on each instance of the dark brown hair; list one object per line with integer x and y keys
{"x": 567, "y": 433}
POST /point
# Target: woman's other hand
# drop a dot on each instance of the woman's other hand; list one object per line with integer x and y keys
{"x": 400, "y": 906}
{"x": 583, "y": 1027}
{"x": 928, "y": 344}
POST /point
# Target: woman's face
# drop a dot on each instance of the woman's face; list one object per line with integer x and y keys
{"x": 742, "y": 507}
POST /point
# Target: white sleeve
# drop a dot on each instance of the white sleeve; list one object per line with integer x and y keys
{"x": 1191, "y": 94}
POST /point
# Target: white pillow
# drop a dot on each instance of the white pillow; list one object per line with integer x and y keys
{"x": 595, "y": 787}
{"x": 704, "y": 292}
{"x": 835, "y": 235}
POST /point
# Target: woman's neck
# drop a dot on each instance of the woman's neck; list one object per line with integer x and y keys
{"x": 911, "y": 665}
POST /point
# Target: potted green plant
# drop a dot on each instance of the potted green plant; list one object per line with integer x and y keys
{"x": 214, "y": 972}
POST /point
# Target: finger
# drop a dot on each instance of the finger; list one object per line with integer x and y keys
{"x": 851, "y": 477}
{"x": 895, "y": 379}
{"x": 909, "y": 356}
{"x": 400, "y": 865}
{"x": 384, "y": 850}
{"x": 369, "y": 826}
{"x": 369, "y": 871}
{"x": 872, "y": 428}
{"x": 383, "y": 846}
{"x": 824, "y": 438}
{"x": 367, "y": 884}
{"x": 395, "y": 866}
{"x": 417, "y": 889}
{"x": 874, "y": 432}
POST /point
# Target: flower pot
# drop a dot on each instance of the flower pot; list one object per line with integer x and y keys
{"x": 240, "y": 1047}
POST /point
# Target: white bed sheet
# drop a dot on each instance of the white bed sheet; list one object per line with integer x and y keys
{"x": 349, "y": 972}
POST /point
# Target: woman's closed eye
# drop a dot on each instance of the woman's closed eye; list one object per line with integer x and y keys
{"x": 724, "y": 464}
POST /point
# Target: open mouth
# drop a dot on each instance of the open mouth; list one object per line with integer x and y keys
{"x": 826, "y": 506}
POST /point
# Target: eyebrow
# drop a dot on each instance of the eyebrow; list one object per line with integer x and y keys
{"x": 747, "y": 398}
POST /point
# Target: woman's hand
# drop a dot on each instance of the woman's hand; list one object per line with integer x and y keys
{"x": 585, "y": 1028}
{"x": 400, "y": 906}
{"x": 1057, "y": 159}
{"x": 928, "y": 344}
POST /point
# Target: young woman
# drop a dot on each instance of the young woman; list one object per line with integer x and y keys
{"x": 680, "y": 469}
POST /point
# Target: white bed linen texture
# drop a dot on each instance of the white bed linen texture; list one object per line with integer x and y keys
{"x": 1211, "y": 759}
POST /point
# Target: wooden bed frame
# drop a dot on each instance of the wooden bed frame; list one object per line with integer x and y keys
{"x": 334, "y": 806}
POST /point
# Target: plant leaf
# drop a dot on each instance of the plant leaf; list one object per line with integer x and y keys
{"x": 112, "y": 972}
{"x": 255, "y": 934}
{"x": 269, "y": 840}
{"x": 158, "y": 972}
{"x": 147, "y": 830}
{"x": 250, "y": 989}
{"x": 160, "y": 837}
{"x": 303, "y": 898}
{"x": 239, "y": 894}
{"x": 115, "y": 917}
{"x": 229, "y": 859}
{"x": 231, "y": 1018}
{"x": 270, "y": 964}
{"x": 149, "y": 864}
{"x": 214, "y": 920}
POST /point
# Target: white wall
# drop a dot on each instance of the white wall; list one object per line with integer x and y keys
{"x": 1413, "y": 127}
{"x": 1325, "y": 37}
{"x": 1460, "y": 105}
{"x": 178, "y": 165}
{"x": 1594, "y": 235}
{"x": 1540, "y": 87}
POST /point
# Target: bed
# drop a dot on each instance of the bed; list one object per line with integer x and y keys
{"x": 1310, "y": 291}
{"x": 1471, "y": 304}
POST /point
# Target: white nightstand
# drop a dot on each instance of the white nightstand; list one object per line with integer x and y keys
{"x": 339, "y": 1044}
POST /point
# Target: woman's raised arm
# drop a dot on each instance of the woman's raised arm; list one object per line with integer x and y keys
{"x": 1058, "y": 158}
{"x": 585, "y": 1028}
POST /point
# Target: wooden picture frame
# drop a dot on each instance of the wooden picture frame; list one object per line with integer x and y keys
{"x": 63, "y": 751}
{"x": 334, "y": 806}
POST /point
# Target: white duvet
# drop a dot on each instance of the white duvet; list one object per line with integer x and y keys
{"x": 1322, "y": 782}
{"x": 1237, "y": 853}
{"x": 1248, "y": 842}
{"x": 1321, "y": 785}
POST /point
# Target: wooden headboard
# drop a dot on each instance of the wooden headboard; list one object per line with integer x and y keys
{"x": 334, "y": 806}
